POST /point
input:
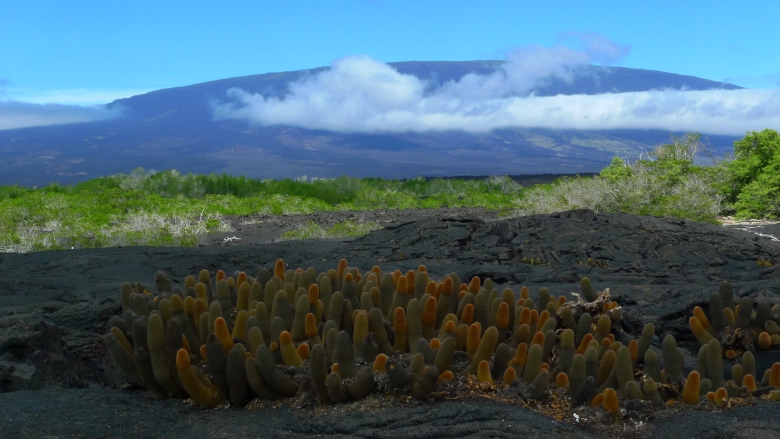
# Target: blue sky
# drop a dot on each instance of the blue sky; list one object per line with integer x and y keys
{"x": 88, "y": 52}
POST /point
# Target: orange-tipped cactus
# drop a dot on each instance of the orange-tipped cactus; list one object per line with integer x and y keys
{"x": 201, "y": 293}
{"x": 538, "y": 339}
{"x": 521, "y": 356}
{"x": 690, "y": 394}
{"x": 431, "y": 287}
{"x": 467, "y": 316}
{"x": 435, "y": 343}
{"x": 750, "y": 382}
{"x": 764, "y": 341}
{"x": 597, "y": 400}
{"x": 401, "y": 333}
{"x": 535, "y": 318}
{"x": 502, "y": 317}
{"x": 290, "y": 354}
{"x": 314, "y": 294}
{"x": 189, "y": 305}
{"x": 473, "y": 286}
{"x": 279, "y": 267}
{"x": 396, "y": 276}
{"x": 120, "y": 336}
{"x": 698, "y": 331}
{"x": 242, "y": 302}
{"x": 525, "y": 316}
{"x": 483, "y": 372}
{"x": 605, "y": 367}
{"x": 445, "y": 376}
{"x": 705, "y": 322}
{"x": 185, "y": 345}
{"x": 450, "y": 329}
{"x": 380, "y": 362}
{"x": 774, "y": 375}
{"x": 472, "y": 341}
{"x": 240, "y": 279}
{"x": 522, "y": 334}
{"x": 205, "y": 396}
{"x": 402, "y": 287}
{"x": 220, "y": 275}
{"x": 360, "y": 330}
{"x": 524, "y": 292}
{"x": 720, "y": 397}
{"x": 303, "y": 351}
{"x": 239, "y": 326}
{"x": 584, "y": 343}
{"x": 510, "y": 376}
{"x": 562, "y": 380}
{"x": 410, "y": 280}
{"x": 542, "y": 318}
{"x": 341, "y": 267}
{"x": 633, "y": 349}
{"x": 311, "y": 328}
{"x": 611, "y": 402}
{"x": 223, "y": 335}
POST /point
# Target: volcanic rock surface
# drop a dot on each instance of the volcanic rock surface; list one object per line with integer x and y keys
{"x": 57, "y": 379}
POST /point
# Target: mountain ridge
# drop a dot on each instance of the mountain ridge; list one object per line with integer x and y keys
{"x": 174, "y": 128}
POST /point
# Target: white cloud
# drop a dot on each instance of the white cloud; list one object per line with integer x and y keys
{"x": 23, "y": 114}
{"x": 360, "y": 94}
{"x": 76, "y": 96}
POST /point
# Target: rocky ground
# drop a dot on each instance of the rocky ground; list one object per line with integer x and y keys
{"x": 56, "y": 379}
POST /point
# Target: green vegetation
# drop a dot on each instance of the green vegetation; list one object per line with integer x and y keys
{"x": 170, "y": 208}
{"x": 667, "y": 183}
{"x": 753, "y": 178}
{"x": 312, "y": 230}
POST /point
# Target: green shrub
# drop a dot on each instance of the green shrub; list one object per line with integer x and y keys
{"x": 312, "y": 230}
{"x": 752, "y": 183}
{"x": 667, "y": 183}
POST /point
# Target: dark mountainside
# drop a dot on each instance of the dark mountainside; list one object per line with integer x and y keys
{"x": 173, "y": 129}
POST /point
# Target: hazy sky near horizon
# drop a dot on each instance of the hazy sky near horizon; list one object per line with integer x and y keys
{"x": 89, "y": 52}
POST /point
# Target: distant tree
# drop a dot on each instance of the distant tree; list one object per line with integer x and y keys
{"x": 752, "y": 180}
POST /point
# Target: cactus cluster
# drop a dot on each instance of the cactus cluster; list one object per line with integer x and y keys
{"x": 738, "y": 326}
{"x": 343, "y": 335}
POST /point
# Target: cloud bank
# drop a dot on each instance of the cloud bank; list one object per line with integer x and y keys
{"x": 22, "y": 114}
{"x": 74, "y": 96}
{"x": 360, "y": 94}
